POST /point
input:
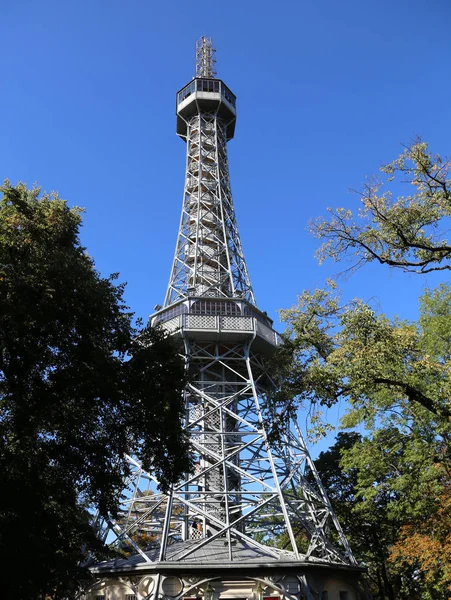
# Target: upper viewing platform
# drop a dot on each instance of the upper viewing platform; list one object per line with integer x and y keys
{"x": 206, "y": 95}
{"x": 207, "y": 89}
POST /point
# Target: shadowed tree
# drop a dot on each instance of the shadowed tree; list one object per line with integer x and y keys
{"x": 71, "y": 400}
{"x": 380, "y": 486}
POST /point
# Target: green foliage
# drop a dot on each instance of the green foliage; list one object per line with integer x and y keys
{"x": 377, "y": 485}
{"x": 390, "y": 488}
{"x": 407, "y": 233}
{"x": 375, "y": 363}
{"x": 71, "y": 400}
{"x": 435, "y": 323}
{"x": 395, "y": 378}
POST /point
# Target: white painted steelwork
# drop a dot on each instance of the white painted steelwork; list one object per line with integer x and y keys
{"x": 252, "y": 496}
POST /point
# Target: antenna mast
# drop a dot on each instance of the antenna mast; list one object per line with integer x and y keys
{"x": 205, "y": 60}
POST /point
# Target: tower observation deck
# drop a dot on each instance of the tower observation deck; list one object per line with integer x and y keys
{"x": 252, "y": 519}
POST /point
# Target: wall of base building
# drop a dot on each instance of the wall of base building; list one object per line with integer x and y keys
{"x": 306, "y": 586}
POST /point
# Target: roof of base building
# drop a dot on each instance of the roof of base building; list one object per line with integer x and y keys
{"x": 214, "y": 554}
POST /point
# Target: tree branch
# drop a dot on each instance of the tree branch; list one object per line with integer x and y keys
{"x": 416, "y": 395}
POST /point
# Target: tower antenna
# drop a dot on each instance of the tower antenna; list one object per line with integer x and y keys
{"x": 205, "y": 58}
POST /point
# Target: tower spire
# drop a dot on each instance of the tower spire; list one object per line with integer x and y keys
{"x": 205, "y": 60}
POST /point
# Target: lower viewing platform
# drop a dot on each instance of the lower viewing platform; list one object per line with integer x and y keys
{"x": 197, "y": 320}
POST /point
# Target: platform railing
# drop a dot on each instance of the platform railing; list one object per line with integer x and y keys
{"x": 231, "y": 323}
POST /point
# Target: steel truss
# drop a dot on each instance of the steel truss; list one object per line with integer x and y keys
{"x": 267, "y": 496}
{"x": 209, "y": 259}
{"x": 246, "y": 495}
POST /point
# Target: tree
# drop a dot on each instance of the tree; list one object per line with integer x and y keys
{"x": 408, "y": 233}
{"x": 426, "y": 545}
{"x": 71, "y": 400}
{"x": 377, "y": 485}
{"x": 350, "y": 352}
{"x": 394, "y": 376}
{"x": 369, "y": 530}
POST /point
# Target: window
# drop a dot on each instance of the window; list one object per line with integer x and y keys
{"x": 187, "y": 91}
{"x": 231, "y": 98}
{"x": 215, "y": 307}
{"x": 130, "y": 596}
{"x": 250, "y": 313}
{"x": 168, "y": 314}
{"x": 207, "y": 85}
{"x": 99, "y": 597}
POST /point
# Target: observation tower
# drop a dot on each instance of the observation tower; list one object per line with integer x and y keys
{"x": 252, "y": 521}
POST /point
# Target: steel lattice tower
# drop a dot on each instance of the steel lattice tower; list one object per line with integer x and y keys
{"x": 248, "y": 503}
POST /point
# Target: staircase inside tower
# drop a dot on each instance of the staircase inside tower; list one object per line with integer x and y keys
{"x": 206, "y": 254}
{"x": 212, "y": 400}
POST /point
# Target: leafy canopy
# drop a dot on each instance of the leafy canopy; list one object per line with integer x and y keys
{"x": 350, "y": 352}
{"x": 390, "y": 487}
{"x": 71, "y": 400}
{"x": 385, "y": 491}
{"x": 409, "y": 232}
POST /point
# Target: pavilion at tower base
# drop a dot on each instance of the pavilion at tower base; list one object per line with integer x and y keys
{"x": 208, "y": 574}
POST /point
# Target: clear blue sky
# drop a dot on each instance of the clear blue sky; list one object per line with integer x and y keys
{"x": 327, "y": 91}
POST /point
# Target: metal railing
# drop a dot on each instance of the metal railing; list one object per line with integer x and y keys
{"x": 232, "y": 323}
